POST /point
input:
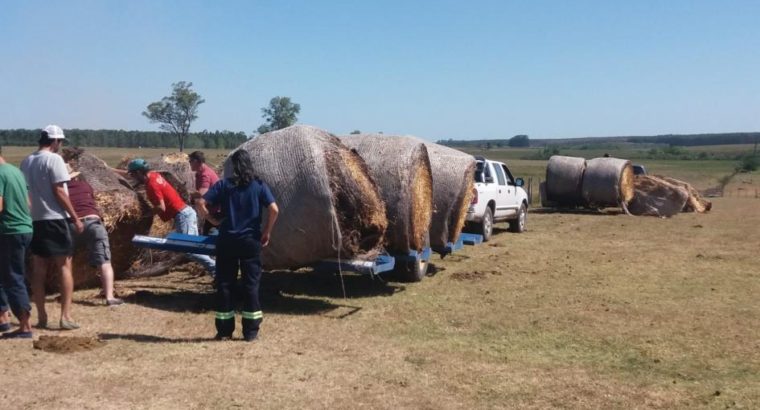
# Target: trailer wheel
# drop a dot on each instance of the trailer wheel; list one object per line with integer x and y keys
{"x": 413, "y": 271}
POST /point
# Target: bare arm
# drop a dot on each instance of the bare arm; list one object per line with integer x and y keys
{"x": 271, "y": 218}
{"x": 123, "y": 172}
{"x": 1, "y": 204}
{"x": 59, "y": 190}
{"x": 200, "y": 205}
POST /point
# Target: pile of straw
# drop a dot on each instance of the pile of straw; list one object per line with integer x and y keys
{"x": 655, "y": 196}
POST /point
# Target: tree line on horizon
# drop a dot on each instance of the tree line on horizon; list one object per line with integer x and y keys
{"x": 685, "y": 140}
{"x": 129, "y": 139}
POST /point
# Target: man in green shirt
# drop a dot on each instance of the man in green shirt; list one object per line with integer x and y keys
{"x": 15, "y": 237}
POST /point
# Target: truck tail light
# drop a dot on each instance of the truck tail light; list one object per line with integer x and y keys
{"x": 474, "y": 196}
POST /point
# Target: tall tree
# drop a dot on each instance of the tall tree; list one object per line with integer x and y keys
{"x": 175, "y": 113}
{"x": 280, "y": 113}
{"x": 519, "y": 141}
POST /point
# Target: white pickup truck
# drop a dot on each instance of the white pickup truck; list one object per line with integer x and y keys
{"x": 498, "y": 197}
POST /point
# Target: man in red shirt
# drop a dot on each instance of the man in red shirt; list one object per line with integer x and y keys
{"x": 168, "y": 205}
{"x": 205, "y": 177}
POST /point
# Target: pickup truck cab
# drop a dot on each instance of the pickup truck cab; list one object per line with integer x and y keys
{"x": 498, "y": 196}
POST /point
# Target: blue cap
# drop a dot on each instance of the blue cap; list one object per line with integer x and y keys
{"x": 137, "y": 164}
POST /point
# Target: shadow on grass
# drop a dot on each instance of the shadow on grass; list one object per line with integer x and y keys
{"x": 331, "y": 285}
{"x": 579, "y": 211}
{"x": 136, "y": 337}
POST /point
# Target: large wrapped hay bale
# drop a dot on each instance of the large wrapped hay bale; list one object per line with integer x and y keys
{"x": 401, "y": 168}
{"x": 695, "y": 203}
{"x": 564, "y": 178}
{"x": 453, "y": 182}
{"x": 654, "y": 196}
{"x": 329, "y": 204}
{"x": 607, "y": 182}
{"x": 123, "y": 213}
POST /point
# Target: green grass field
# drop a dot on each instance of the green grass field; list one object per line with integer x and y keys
{"x": 583, "y": 310}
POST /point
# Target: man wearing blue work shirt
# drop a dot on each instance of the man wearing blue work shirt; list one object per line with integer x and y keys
{"x": 242, "y": 197}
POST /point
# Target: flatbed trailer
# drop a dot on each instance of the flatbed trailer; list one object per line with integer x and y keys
{"x": 206, "y": 245}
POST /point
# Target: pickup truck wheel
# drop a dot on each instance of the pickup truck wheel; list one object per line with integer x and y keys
{"x": 518, "y": 224}
{"x": 486, "y": 227}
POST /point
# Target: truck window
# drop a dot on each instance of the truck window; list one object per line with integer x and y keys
{"x": 500, "y": 175}
{"x": 479, "y": 172}
{"x": 510, "y": 178}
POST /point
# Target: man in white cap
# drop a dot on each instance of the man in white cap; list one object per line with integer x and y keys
{"x": 52, "y": 241}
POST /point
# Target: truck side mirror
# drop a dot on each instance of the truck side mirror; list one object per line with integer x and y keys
{"x": 519, "y": 182}
{"x": 489, "y": 180}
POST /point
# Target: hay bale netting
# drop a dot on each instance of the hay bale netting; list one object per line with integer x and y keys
{"x": 453, "y": 183}
{"x": 564, "y": 177}
{"x": 329, "y": 204}
{"x": 654, "y": 196}
{"x": 401, "y": 168}
{"x": 607, "y": 182}
{"x": 695, "y": 203}
{"x": 124, "y": 215}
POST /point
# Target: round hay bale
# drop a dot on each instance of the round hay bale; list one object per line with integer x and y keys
{"x": 401, "y": 168}
{"x": 453, "y": 181}
{"x": 655, "y": 196}
{"x": 607, "y": 182}
{"x": 564, "y": 177}
{"x": 329, "y": 204}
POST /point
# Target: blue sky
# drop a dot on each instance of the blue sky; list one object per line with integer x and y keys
{"x": 435, "y": 69}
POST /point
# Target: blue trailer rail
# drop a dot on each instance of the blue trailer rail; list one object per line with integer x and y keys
{"x": 206, "y": 245}
{"x": 383, "y": 263}
{"x": 471, "y": 238}
{"x": 177, "y": 242}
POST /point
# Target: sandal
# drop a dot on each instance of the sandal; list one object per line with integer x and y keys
{"x": 68, "y": 325}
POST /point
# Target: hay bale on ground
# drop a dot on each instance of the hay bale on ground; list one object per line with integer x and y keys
{"x": 401, "y": 168}
{"x": 153, "y": 262}
{"x": 695, "y": 203}
{"x": 123, "y": 213}
{"x": 607, "y": 182}
{"x": 654, "y": 196}
{"x": 329, "y": 204}
{"x": 564, "y": 178}
{"x": 453, "y": 182}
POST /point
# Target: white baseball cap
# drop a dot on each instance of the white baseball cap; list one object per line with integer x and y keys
{"x": 54, "y": 132}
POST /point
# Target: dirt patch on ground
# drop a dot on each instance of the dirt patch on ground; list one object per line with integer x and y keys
{"x": 473, "y": 275}
{"x": 67, "y": 344}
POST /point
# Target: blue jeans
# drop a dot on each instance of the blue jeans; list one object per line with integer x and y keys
{"x": 12, "y": 269}
{"x": 186, "y": 222}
